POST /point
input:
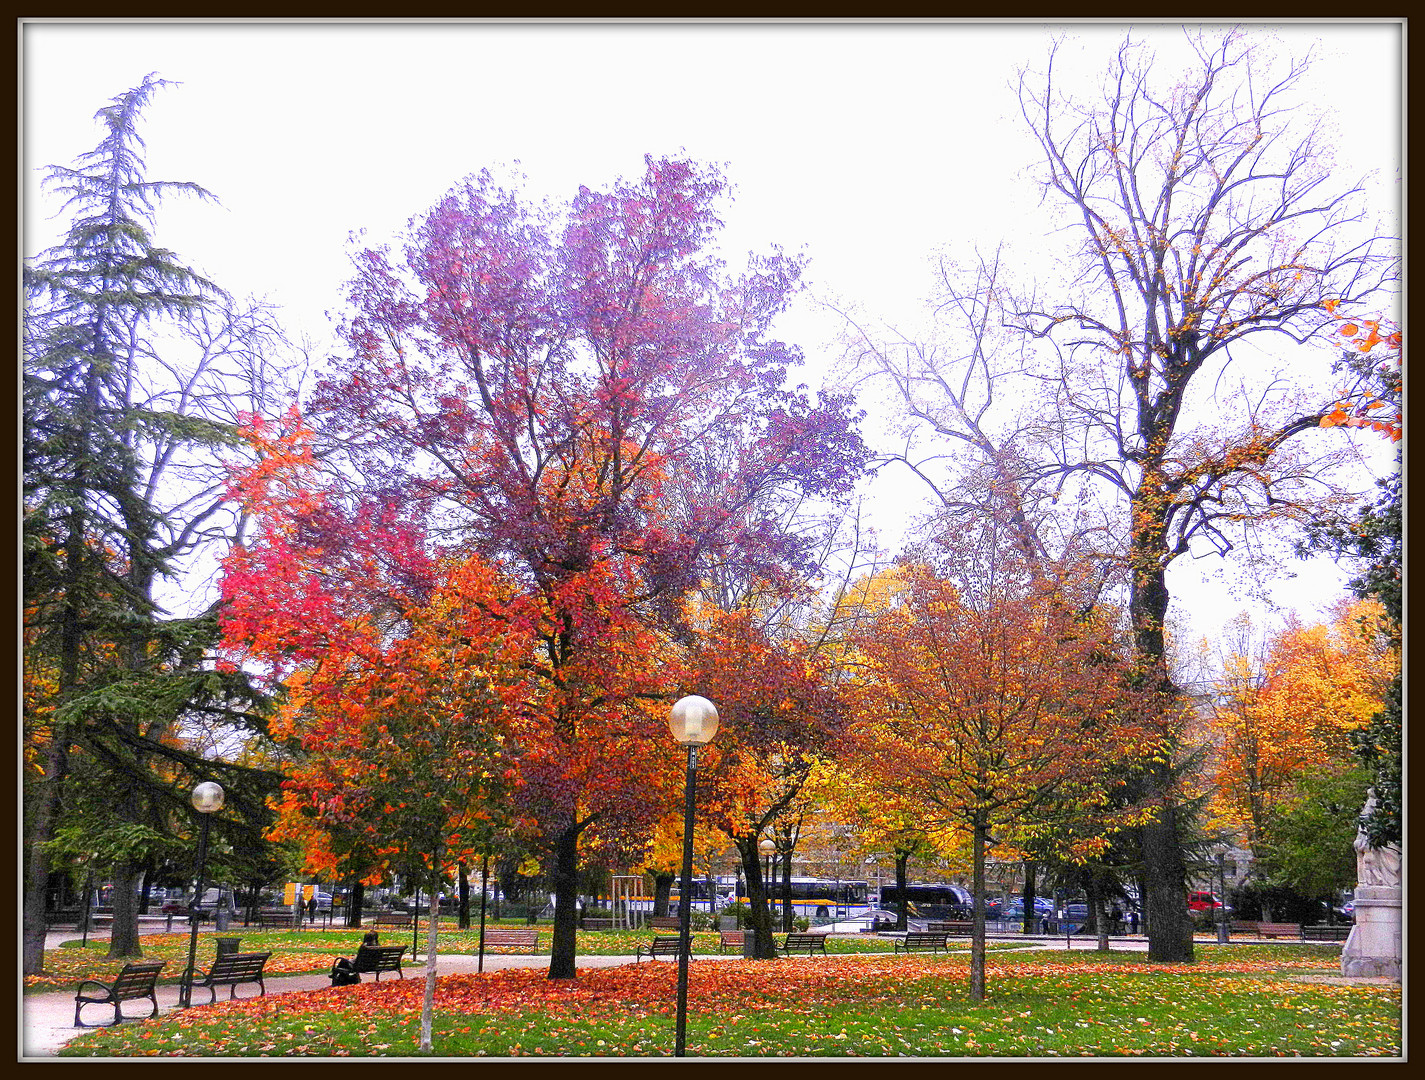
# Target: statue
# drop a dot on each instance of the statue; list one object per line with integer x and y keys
{"x": 1375, "y": 866}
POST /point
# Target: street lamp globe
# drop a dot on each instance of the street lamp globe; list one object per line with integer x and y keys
{"x": 208, "y": 797}
{"x": 767, "y": 846}
{"x": 693, "y": 720}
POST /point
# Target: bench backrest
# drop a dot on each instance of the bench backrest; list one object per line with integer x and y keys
{"x": 238, "y": 965}
{"x": 802, "y": 939}
{"x": 512, "y": 936}
{"x": 378, "y": 957}
{"x": 136, "y": 980}
{"x": 665, "y": 944}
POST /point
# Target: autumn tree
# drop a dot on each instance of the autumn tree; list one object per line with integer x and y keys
{"x": 525, "y": 384}
{"x": 1285, "y": 721}
{"x": 779, "y": 718}
{"x": 124, "y": 410}
{"x": 987, "y": 698}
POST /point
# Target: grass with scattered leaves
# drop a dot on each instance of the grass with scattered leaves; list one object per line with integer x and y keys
{"x": 1254, "y": 1002}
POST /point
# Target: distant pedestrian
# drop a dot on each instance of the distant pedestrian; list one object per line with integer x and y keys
{"x": 312, "y": 908}
{"x": 1133, "y": 921}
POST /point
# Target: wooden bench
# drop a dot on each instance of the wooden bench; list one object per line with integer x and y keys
{"x": 665, "y": 922}
{"x": 400, "y": 919}
{"x": 808, "y": 942}
{"x": 273, "y": 917}
{"x": 598, "y": 924}
{"x": 1279, "y": 929}
{"x": 662, "y": 946}
{"x": 958, "y": 929}
{"x": 512, "y": 939}
{"x": 922, "y": 939}
{"x": 230, "y": 969}
{"x": 374, "y": 959}
{"x": 1325, "y": 933}
{"x": 135, "y": 981}
{"x": 736, "y": 939}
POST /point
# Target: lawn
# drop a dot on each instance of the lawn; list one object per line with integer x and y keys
{"x": 1254, "y": 1002}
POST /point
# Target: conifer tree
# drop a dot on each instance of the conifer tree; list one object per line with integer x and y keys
{"x": 120, "y": 678}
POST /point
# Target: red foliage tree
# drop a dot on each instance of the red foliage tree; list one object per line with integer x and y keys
{"x": 530, "y": 390}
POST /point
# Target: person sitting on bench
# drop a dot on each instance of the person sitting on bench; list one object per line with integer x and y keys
{"x": 344, "y": 971}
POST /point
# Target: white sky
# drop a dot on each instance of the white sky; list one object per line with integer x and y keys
{"x": 868, "y": 144}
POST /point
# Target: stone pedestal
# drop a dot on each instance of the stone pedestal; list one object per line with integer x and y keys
{"x": 1374, "y": 945}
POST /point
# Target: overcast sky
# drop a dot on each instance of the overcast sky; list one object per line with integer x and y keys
{"x": 868, "y": 145}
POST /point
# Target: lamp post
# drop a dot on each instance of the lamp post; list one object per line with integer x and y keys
{"x": 207, "y": 799}
{"x": 693, "y": 722}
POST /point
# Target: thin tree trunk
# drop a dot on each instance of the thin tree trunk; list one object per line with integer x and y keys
{"x": 902, "y": 862}
{"x": 977, "y": 938}
{"x": 463, "y": 920}
{"x": 432, "y": 935}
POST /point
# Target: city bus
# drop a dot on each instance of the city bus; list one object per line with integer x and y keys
{"x": 818, "y": 896}
{"x": 936, "y": 900}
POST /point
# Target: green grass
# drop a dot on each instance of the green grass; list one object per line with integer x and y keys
{"x": 1233, "y": 1002}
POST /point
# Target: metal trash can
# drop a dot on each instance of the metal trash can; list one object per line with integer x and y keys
{"x": 227, "y": 945}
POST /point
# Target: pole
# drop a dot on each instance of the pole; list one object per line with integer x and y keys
{"x": 88, "y": 902}
{"x": 484, "y": 880}
{"x": 685, "y": 904}
{"x": 185, "y": 992}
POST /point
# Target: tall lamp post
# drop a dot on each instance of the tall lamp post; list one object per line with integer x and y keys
{"x": 693, "y": 722}
{"x": 207, "y": 799}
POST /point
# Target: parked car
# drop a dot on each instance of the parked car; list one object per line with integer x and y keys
{"x": 1200, "y": 900}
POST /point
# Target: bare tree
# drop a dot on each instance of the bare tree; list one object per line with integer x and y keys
{"x": 1213, "y": 240}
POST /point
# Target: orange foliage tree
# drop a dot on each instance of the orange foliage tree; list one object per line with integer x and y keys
{"x": 1291, "y": 708}
{"x": 982, "y": 704}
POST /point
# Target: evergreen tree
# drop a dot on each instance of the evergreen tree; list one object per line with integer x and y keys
{"x": 119, "y": 679}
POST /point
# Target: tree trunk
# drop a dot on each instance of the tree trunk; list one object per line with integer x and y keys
{"x": 787, "y": 887}
{"x": 977, "y": 938}
{"x": 566, "y": 902}
{"x": 124, "y": 939}
{"x": 428, "y": 1001}
{"x": 42, "y": 832}
{"x": 356, "y": 901}
{"x": 760, "y": 915}
{"x": 902, "y": 862}
{"x": 464, "y": 917}
{"x": 662, "y": 889}
{"x": 1165, "y": 904}
{"x": 1029, "y": 895}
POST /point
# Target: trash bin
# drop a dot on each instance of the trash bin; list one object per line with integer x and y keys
{"x": 222, "y": 917}
{"x": 227, "y": 945}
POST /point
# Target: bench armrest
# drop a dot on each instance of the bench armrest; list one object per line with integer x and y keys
{"x": 95, "y": 982}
